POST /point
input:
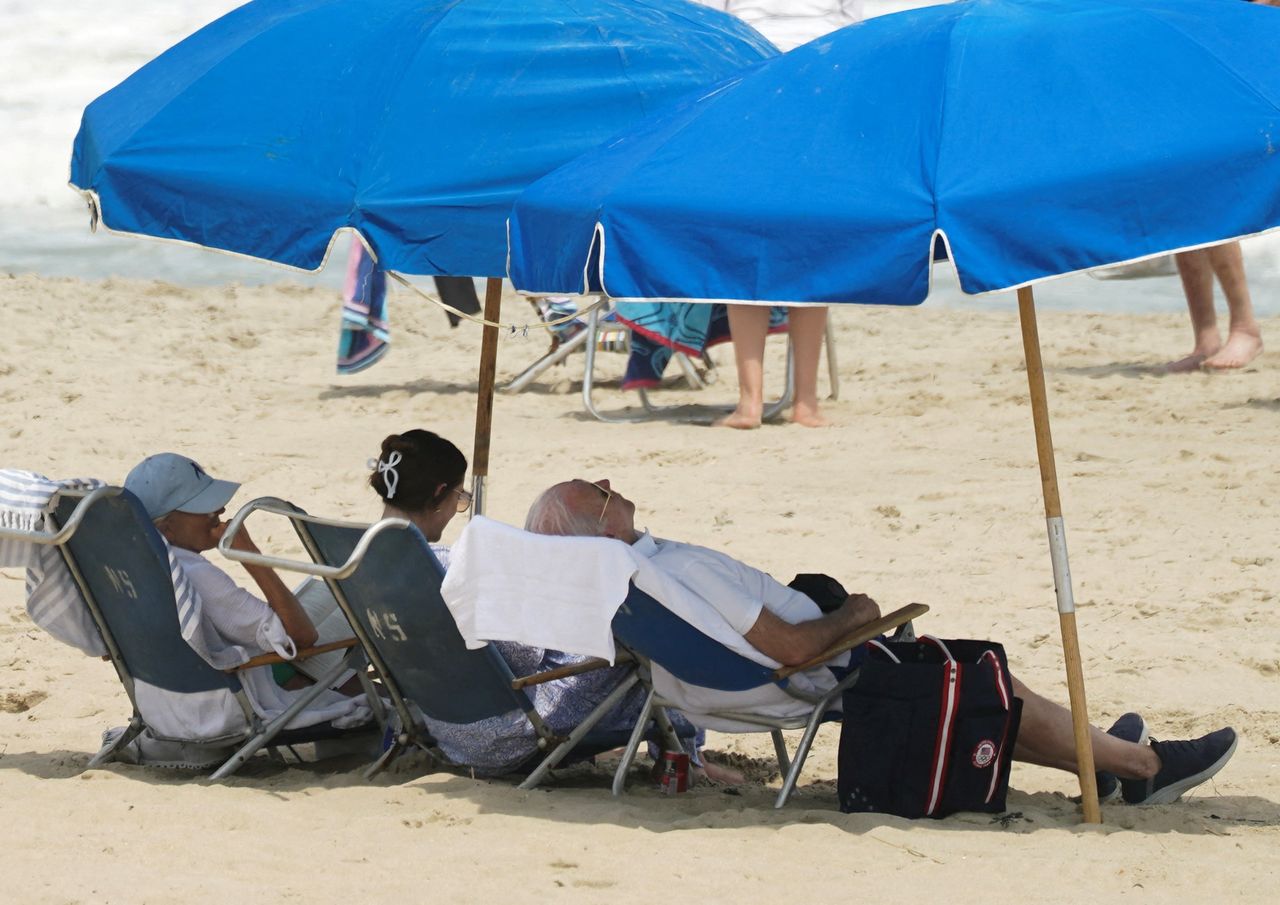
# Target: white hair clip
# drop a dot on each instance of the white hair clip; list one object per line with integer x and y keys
{"x": 387, "y": 469}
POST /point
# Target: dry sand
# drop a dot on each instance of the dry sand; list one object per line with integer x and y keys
{"x": 926, "y": 489}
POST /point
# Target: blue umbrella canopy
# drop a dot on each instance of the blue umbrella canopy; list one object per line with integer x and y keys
{"x": 415, "y": 122}
{"x": 1033, "y": 137}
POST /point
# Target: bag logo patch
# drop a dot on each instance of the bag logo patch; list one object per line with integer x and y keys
{"x": 984, "y": 753}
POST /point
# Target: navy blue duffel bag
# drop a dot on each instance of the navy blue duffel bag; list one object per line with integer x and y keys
{"x": 929, "y": 729}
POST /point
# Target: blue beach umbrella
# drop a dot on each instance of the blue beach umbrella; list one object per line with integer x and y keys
{"x": 1033, "y": 138}
{"x": 414, "y": 123}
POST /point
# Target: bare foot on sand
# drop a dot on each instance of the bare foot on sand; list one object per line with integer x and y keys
{"x": 1242, "y": 347}
{"x": 721, "y": 773}
{"x": 741, "y": 418}
{"x": 808, "y": 416}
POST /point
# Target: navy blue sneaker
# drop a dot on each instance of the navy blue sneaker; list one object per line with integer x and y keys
{"x": 1183, "y": 765}
{"x": 1131, "y": 727}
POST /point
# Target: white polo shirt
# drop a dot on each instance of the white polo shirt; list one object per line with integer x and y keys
{"x": 723, "y": 600}
{"x": 239, "y": 616}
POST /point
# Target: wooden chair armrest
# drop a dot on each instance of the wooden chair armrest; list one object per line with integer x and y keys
{"x": 573, "y": 669}
{"x": 864, "y": 634}
{"x": 271, "y": 659}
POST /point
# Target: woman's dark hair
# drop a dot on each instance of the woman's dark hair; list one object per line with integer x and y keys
{"x": 411, "y": 468}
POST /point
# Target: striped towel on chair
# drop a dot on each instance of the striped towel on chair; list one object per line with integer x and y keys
{"x": 53, "y": 600}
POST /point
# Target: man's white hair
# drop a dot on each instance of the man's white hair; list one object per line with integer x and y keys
{"x": 552, "y": 514}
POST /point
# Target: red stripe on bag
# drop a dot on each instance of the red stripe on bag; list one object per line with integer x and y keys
{"x": 1004, "y": 736}
{"x": 942, "y": 744}
{"x": 1000, "y": 679}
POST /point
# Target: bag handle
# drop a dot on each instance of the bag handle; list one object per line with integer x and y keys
{"x": 1002, "y": 681}
{"x": 879, "y": 645}
{"x": 941, "y": 645}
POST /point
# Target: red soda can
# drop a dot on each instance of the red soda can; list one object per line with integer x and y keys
{"x": 675, "y": 772}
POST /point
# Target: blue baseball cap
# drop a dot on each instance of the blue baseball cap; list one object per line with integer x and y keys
{"x": 168, "y": 482}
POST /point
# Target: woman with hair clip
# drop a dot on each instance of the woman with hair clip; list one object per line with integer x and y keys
{"x": 419, "y": 477}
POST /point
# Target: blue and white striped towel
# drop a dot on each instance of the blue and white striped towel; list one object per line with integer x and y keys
{"x": 53, "y": 600}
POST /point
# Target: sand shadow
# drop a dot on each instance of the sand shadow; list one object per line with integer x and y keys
{"x": 339, "y": 771}
{"x": 623, "y": 406}
{"x": 581, "y": 794}
{"x": 692, "y": 415}
{"x": 1266, "y": 405}
{"x": 1130, "y": 369}
{"x": 419, "y": 387}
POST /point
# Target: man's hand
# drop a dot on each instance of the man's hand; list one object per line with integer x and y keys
{"x": 293, "y": 617}
{"x": 858, "y": 610}
{"x": 241, "y": 542}
{"x": 794, "y": 643}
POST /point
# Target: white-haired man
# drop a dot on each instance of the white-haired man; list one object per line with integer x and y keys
{"x": 787, "y": 627}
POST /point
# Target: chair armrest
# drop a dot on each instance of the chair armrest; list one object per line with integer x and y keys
{"x": 270, "y": 659}
{"x": 574, "y": 669}
{"x": 864, "y": 634}
{"x": 277, "y": 506}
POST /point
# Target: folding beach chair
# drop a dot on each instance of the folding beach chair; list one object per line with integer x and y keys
{"x": 651, "y": 634}
{"x": 387, "y": 582}
{"x": 121, "y": 567}
{"x": 604, "y": 331}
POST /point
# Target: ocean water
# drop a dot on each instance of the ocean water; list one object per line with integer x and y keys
{"x": 55, "y": 57}
{"x": 58, "y": 55}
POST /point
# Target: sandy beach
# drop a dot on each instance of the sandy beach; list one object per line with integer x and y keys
{"x": 926, "y": 489}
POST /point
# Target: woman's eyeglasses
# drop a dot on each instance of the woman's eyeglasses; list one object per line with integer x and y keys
{"x": 464, "y": 499}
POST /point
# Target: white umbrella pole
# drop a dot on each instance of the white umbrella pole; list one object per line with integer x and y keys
{"x": 1058, "y": 554}
{"x": 484, "y": 400}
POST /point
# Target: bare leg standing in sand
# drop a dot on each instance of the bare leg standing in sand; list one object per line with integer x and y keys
{"x": 1244, "y": 338}
{"x": 749, "y": 325}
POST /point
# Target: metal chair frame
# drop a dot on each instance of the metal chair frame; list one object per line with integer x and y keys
{"x": 411, "y": 733}
{"x": 747, "y": 674}
{"x": 588, "y": 341}
{"x": 258, "y": 733}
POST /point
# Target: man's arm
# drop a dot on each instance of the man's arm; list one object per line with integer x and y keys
{"x": 793, "y": 643}
{"x": 296, "y": 622}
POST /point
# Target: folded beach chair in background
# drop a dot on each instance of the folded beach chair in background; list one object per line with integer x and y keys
{"x": 387, "y": 582}
{"x": 600, "y": 333}
{"x": 603, "y": 330}
{"x": 653, "y": 635}
{"x": 123, "y": 571}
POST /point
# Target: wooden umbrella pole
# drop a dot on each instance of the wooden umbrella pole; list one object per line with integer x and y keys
{"x": 1058, "y": 554}
{"x": 484, "y": 399}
